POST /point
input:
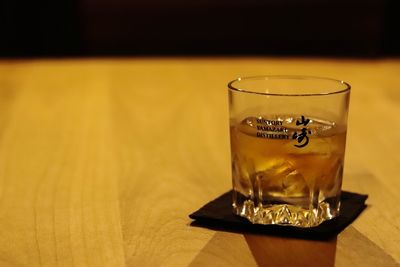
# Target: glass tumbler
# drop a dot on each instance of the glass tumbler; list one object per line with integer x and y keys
{"x": 288, "y": 136}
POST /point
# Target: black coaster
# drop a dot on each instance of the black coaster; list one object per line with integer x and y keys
{"x": 217, "y": 215}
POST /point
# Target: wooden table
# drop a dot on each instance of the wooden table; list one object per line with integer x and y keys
{"x": 102, "y": 160}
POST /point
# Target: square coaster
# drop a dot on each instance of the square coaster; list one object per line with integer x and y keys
{"x": 218, "y": 215}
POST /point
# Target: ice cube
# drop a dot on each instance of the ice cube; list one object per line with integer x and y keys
{"x": 294, "y": 184}
{"x": 279, "y": 178}
{"x": 248, "y": 126}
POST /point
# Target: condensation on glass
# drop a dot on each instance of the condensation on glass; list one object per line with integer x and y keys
{"x": 288, "y": 136}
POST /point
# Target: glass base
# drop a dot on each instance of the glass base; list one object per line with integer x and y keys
{"x": 287, "y": 214}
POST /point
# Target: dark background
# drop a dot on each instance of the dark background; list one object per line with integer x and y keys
{"x": 366, "y": 28}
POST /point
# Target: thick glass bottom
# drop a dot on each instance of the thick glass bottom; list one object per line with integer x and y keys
{"x": 287, "y": 214}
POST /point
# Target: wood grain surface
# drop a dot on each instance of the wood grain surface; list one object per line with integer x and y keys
{"x": 102, "y": 160}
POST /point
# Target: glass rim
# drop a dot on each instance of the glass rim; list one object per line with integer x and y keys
{"x": 289, "y": 77}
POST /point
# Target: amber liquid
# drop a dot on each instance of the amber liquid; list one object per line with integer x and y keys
{"x": 278, "y": 178}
